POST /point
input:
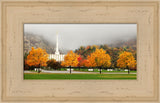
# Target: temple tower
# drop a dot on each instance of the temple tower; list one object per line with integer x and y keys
{"x": 57, "y": 56}
{"x": 57, "y": 51}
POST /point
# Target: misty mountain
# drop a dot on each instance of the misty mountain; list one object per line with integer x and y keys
{"x": 124, "y": 43}
{"x": 31, "y": 40}
{"x": 72, "y": 36}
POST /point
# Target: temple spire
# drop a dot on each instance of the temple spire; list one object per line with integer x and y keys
{"x": 57, "y": 51}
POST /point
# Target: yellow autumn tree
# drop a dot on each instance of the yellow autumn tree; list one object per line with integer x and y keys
{"x": 99, "y": 58}
{"x": 71, "y": 59}
{"x": 91, "y": 60}
{"x": 126, "y": 60}
{"x": 37, "y": 57}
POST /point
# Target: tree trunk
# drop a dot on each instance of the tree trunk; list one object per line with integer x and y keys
{"x": 70, "y": 69}
{"x": 100, "y": 70}
{"x": 128, "y": 70}
{"x": 39, "y": 68}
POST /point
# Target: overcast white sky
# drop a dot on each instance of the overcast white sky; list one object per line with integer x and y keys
{"x": 71, "y": 36}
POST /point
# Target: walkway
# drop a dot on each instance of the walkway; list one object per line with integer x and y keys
{"x": 47, "y": 71}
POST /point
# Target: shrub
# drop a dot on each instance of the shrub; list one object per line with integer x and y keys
{"x": 54, "y": 64}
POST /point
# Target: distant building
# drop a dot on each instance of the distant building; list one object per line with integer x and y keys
{"x": 57, "y": 56}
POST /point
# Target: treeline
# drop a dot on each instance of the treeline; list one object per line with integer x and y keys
{"x": 91, "y": 56}
{"x": 114, "y": 52}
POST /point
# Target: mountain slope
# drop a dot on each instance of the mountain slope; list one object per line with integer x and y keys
{"x": 125, "y": 43}
{"x": 31, "y": 40}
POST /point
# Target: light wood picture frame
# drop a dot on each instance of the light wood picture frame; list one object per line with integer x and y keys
{"x": 15, "y": 13}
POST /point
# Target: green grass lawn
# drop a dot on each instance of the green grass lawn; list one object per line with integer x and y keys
{"x": 78, "y": 76}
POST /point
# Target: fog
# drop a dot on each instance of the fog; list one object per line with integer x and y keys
{"x": 72, "y": 36}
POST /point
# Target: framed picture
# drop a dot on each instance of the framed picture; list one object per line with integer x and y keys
{"x": 79, "y": 51}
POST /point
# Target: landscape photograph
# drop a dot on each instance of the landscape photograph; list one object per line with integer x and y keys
{"x": 80, "y": 51}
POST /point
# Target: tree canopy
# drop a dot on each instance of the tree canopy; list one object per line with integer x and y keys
{"x": 71, "y": 59}
{"x": 126, "y": 60}
{"x": 37, "y": 57}
{"x": 99, "y": 58}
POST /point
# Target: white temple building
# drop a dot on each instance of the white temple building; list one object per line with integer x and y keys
{"x": 57, "y": 56}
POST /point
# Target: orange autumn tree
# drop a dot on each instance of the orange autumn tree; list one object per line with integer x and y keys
{"x": 86, "y": 63}
{"x": 99, "y": 58}
{"x": 37, "y": 57}
{"x": 90, "y": 62}
{"x": 71, "y": 59}
{"x": 126, "y": 60}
